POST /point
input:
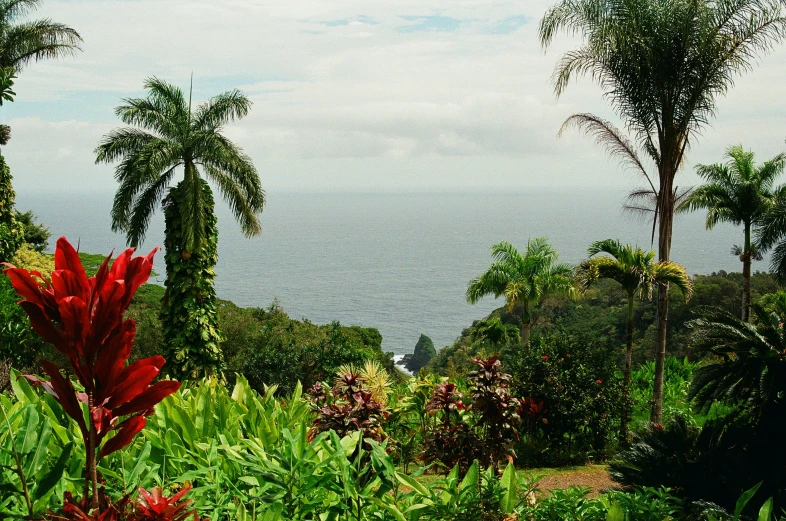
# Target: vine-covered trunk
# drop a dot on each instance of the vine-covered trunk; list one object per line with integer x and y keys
{"x": 11, "y": 231}
{"x": 188, "y": 314}
{"x": 746, "y": 275}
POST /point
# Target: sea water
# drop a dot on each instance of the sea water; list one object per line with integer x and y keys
{"x": 399, "y": 262}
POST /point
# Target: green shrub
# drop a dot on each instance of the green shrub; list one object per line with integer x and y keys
{"x": 572, "y": 394}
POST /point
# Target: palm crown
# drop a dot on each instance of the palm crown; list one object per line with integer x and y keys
{"x": 23, "y": 42}
{"x": 737, "y": 191}
{"x": 524, "y": 280}
{"x": 166, "y": 134}
{"x": 634, "y": 268}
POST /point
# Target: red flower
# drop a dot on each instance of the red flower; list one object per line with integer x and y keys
{"x": 598, "y": 382}
{"x": 545, "y": 357}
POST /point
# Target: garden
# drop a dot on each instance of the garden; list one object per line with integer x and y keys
{"x": 122, "y": 400}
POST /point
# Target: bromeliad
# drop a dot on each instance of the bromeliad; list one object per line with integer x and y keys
{"x": 83, "y": 319}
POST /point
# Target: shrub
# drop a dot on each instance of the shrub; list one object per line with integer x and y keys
{"x": 573, "y": 398}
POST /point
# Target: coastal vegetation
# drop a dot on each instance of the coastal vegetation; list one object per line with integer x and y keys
{"x": 127, "y": 401}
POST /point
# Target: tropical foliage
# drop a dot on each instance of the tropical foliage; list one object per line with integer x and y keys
{"x": 662, "y": 65}
{"x": 166, "y": 136}
{"x": 636, "y": 272}
{"x": 523, "y": 279}
{"x": 741, "y": 193}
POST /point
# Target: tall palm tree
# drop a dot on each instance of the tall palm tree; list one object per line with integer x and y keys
{"x": 524, "y": 280}
{"x": 637, "y": 272}
{"x": 167, "y": 138}
{"x": 662, "y": 64}
{"x": 741, "y": 193}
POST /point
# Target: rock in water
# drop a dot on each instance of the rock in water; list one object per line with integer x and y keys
{"x": 424, "y": 351}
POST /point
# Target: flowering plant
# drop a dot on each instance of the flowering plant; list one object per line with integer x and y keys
{"x": 83, "y": 319}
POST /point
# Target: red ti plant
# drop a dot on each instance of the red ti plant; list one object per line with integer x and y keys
{"x": 83, "y": 318}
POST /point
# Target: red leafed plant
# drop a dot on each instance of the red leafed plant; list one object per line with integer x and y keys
{"x": 83, "y": 318}
{"x": 154, "y": 506}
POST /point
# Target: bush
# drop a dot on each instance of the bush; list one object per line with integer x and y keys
{"x": 573, "y": 399}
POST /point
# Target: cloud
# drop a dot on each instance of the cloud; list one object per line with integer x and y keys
{"x": 395, "y": 96}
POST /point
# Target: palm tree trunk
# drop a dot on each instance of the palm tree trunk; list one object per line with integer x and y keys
{"x": 526, "y": 328}
{"x": 746, "y": 275}
{"x": 664, "y": 249}
{"x": 626, "y": 374}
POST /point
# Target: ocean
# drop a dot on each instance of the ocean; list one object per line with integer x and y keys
{"x": 399, "y": 262}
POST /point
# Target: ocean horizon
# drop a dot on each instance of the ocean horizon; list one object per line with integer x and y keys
{"x": 396, "y": 261}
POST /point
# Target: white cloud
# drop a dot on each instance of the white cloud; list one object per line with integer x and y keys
{"x": 344, "y": 98}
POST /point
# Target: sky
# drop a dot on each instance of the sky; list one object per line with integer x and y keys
{"x": 350, "y": 95}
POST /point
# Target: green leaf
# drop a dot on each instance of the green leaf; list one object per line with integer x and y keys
{"x": 48, "y": 482}
{"x": 27, "y": 431}
{"x": 744, "y": 499}
{"x": 471, "y": 477}
{"x": 615, "y": 513}
{"x": 509, "y": 485}
{"x": 766, "y": 511}
{"x": 412, "y": 483}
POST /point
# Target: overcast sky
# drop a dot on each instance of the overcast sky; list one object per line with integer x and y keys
{"x": 350, "y": 95}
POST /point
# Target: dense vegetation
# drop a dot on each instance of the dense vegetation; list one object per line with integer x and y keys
{"x": 283, "y": 419}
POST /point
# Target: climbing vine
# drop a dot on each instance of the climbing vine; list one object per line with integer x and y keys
{"x": 188, "y": 314}
{"x": 12, "y": 233}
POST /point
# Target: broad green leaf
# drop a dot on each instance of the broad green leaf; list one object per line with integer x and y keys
{"x": 615, "y": 513}
{"x": 51, "y": 479}
{"x": 744, "y": 499}
{"x": 766, "y": 511}
{"x": 509, "y": 485}
{"x": 27, "y": 431}
{"x": 471, "y": 477}
{"x": 412, "y": 483}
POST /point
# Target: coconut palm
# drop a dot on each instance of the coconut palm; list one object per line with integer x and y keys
{"x": 741, "y": 193}
{"x": 662, "y": 64}
{"x": 167, "y": 139}
{"x": 23, "y": 42}
{"x": 524, "y": 280}
{"x": 637, "y": 272}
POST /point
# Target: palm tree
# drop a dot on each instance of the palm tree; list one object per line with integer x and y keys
{"x": 166, "y": 138}
{"x": 741, "y": 193}
{"x": 637, "y": 272}
{"x": 662, "y": 64}
{"x": 524, "y": 280}
{"x": 23, "y": 42}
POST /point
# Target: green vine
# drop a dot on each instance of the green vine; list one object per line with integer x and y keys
{"x": 12, "y": 232}
{"x": 188, "y": 314}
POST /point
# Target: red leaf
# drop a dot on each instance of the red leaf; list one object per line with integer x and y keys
{"x": 74, "y": 321}
{"x": 27, "y": 287}
{"x": 66, "y": 394}
{"x": 67, "y": 284}
{"x": 134, "y": 379}
{"x": 66, "y": 258}
{"x": 43, "y": 326}
{"x": 137, "y": 274}
{"x": 148, "y": 398}
{"x": 112, "y": 358}
{"x": 125, "y": 434}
